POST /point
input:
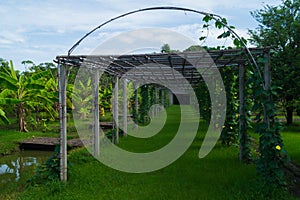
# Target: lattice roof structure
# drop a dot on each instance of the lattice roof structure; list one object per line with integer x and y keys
{"x": 186, "y": 63}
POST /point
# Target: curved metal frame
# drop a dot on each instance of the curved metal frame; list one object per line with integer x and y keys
{"x": 213, "y": 16}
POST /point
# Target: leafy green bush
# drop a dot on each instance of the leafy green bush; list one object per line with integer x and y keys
{"x": 48, "y": 171}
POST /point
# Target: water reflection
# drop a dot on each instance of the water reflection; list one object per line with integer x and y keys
{"x": 14, "y": 167}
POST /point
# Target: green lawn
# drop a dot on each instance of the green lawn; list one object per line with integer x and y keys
{"x": 291, "y": 138}
{"x": 218, "y": 176}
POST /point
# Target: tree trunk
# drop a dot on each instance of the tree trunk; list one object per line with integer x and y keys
{"x": 56, "y": 108}
{"x": 289, "y": 115}
{"x": 22, "y": 122}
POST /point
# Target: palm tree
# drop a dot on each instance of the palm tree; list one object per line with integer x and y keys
{"x": 26, "y": 91}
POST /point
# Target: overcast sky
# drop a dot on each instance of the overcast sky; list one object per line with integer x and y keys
{"x": 39, "y": 30}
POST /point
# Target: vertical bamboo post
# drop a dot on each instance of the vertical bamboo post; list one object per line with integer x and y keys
{"x": 163, "y": 97}
{"x": 151, "y": 100}
{"x": 242, "y": 113}
{"x": 116, "y": 110}
{"x": 95, "y": 91}
{"x": 113, "y": 112}
{"x": 136, "y": 105}
{"x": 125, "y": 107}
{"x": 156, "y": 101}
{"x": 62, "y": 82}
{"x": 267, "y": 80}
{"x": 171, "y": 97}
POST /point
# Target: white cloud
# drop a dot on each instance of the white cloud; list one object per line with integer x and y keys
{"x": 11, "y": 37}
{"x": 143, "y": 40}
{"x": 205, "y": 5}
{"x": 39, "y": 30}
{"x": 78, "y": 16}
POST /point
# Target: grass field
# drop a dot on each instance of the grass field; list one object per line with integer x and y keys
{"x": 217, "y": 176}
{"x": 291, "y": 138}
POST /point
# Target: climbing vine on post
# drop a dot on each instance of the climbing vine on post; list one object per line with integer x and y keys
{"x": 165, "y": 98}
{"x": 134, "y": 104}
{"x": 144, "y": 118}
{"x": 229, "y": 133}
{"x": 152, "y": 97}
{"x": 244, "y": 117}
{"x": 204, "y": 102}
{"x": 272, "y": 154}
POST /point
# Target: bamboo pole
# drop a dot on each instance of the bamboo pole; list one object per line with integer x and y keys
{"x": 242, "y": 113}
{"x": 267, "y": 80}
{"x": 171, "y": 97}
{"x": 156, "y": 101}
{"x": 116, "y": 110}
{"x": 136, "y": 106}
{"x": 62, "y": 82}
{"x": 95, "y": 77}
{"x": 163, "y": 97}
{"x": 125, "y": 107}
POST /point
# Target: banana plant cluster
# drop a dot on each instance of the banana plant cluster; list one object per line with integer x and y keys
{"x": 82, "y": 98}
{"x": 26, "y": 92}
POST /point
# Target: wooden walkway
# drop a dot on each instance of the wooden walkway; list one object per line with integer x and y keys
{"x": 106, "y": 125}
{"x": 48, "y": 144}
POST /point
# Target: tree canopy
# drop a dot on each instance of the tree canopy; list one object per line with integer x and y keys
{"x": 279, "y": 28}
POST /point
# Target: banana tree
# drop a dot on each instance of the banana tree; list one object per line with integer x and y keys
{"x": 51, "y": 84}
{"x": 25, "y": 92}
{"x": 82, "y": 98}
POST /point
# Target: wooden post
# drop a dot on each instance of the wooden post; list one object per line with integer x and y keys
{"x": 163, "y": 97}
{"x": 151, "y": 100}
{"x": 125, "y": 107}
{"x": 113, "y": 112}
{"x": 242, "y": 113}
{"x": 95, "y": 85}
{"x": 116, "y": 110}
{"x": 136, "y": 105}
{"x": 171, "y": 97}
{"x": 62, "y": 83}
{"x": 156, "y": 101}
{"x": 267, "y": 79}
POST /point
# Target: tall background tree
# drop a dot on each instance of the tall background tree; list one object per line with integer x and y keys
{"x": 279, "y": 28}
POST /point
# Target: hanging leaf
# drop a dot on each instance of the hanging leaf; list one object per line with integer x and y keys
{"x": 236, "y": 42}
{"x": 207, "y": 18}
{"x": 224, "y": 20}
{"x": 202, "y": 38}
{"x": 224, "y": 35}
{"x": 205, "y": 26}
{"x": 244, "y": 41}
{"x": 219, "y": 24}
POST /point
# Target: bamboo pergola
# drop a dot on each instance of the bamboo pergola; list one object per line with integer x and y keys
{"x": 187, "y": 64}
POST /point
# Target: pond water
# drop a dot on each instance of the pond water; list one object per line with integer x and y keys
{"x": 21, "y": 165}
